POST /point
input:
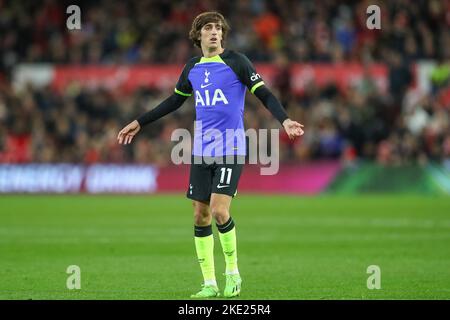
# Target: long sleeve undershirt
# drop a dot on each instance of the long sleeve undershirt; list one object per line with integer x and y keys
{"x": 271, "y": 103}
{"x": 175, "y": 101}
{"x": 169, "y": 105}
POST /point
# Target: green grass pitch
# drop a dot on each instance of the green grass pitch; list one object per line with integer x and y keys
{"x": 142, "y": 247}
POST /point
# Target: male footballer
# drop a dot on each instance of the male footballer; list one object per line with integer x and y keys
{"x": 218, "y": 79}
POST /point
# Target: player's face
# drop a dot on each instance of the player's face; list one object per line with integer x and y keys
{"x": 211, "y": 35}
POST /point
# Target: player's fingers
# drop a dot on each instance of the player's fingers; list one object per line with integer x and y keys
{"x": 121, "y": 135}
{"x": 298, "y": 132}
{"x": 124, "y": 138}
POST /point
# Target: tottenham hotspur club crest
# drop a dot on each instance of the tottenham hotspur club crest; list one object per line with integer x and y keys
{"x": 206, "y": 84}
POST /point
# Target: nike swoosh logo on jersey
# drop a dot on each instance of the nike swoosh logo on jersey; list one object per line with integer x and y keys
{"x": 206, "y": 85}
{"x": 220, "y": 187}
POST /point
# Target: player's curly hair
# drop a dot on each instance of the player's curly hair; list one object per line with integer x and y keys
{"x": 204, "y": 18}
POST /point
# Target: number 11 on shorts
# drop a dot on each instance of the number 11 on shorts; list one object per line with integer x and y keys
{"x": 222, "y": 175}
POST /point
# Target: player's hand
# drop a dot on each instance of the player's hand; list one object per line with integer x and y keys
{"x": 293, "y": 128}
{"x": 127, "y": 133}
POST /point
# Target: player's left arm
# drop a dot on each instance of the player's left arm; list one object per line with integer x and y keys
{"x": 248, "y": 75}
{"x": 292, "y": 128}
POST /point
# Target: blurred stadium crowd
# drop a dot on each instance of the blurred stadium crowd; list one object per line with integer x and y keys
{"x": 78, "y": 125}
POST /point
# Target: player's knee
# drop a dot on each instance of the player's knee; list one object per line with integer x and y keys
{"x": 201, "y": 213}
{"x": 220, "y": 213}
{"x": 202, "y": 219}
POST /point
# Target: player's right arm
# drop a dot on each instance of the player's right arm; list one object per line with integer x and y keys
{"x": 183, "y": 90}
{"x": 169, "y": 105}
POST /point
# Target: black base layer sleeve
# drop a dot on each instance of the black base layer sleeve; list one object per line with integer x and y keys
{"x": 271, "y": 103}
{"x": 169, "y": 105}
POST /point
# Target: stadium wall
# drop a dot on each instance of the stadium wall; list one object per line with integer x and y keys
{"x": 327, "y": 177}
{"x": 112, "y": 178}
{"x": 126, "y": 79}
{"x": 367, "y": 177}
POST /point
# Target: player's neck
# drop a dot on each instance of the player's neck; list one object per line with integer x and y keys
{"x": 210, "y": 52}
